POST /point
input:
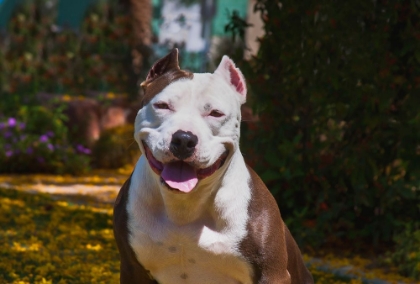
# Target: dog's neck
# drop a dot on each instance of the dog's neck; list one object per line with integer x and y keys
{"x": 199, "y": 205}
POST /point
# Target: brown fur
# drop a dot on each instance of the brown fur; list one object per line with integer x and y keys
{"x": 269, "y": 246}
{"x": 163, "y": 72}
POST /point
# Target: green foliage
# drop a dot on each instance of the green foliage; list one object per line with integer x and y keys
{"x": 407, "y": 251}
{"x": 115, "y": 148}
{"x": 336, "y": 86}
{"x": 236, "y": 25}
{"x": 37, "y": 56}
{"x": 35, "y": 140}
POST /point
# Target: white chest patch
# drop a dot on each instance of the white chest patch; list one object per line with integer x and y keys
{"x": 203, "y": 251}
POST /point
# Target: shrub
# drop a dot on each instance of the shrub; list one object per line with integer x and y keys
{"x": 406, "y": 256}
{"x": 36, "y": 56}
{"x": 116, "y": 148}
{"x": 36, "y": 141}
{"x": 336, "y": 86}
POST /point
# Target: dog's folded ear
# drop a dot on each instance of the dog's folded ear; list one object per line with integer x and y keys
{"x": 163, "y": 65}
{"x": 163, "y": 72}
{"x": 233, "y": 76}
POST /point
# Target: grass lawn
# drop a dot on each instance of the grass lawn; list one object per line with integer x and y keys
{"x": 50, "y": 240}
{"x": 43, "y": 240}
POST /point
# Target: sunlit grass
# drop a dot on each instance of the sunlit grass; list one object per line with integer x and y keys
{"x": 47, "y": 241}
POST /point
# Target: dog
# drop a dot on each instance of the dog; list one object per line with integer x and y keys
{"x": 192, "y": 211}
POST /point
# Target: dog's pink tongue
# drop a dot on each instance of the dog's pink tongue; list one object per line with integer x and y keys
{"x": 180, "y": 175}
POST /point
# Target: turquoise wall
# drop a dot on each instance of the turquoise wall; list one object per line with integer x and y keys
{"x": 71, "y": 12}
{"x": 6, "y": 10}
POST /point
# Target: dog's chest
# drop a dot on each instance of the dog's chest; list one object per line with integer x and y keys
{"x": 189, "y": 254}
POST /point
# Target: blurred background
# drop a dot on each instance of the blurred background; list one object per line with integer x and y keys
{"x": 72, "y": 69}
{"x": 332, "y": 122}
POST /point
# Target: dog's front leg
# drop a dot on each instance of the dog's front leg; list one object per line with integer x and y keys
{"x": 266, "y": 251}
{"x": 269, "y": 247}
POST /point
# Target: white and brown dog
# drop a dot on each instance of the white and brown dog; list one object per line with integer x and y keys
{"x": 192, "y": 211}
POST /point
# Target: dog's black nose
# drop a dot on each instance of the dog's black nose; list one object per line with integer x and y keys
{"x": 183, "y": 144}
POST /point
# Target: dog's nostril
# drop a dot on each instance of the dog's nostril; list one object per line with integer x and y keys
{"x": 191, "y": 144}
{"x": 183, "y": 144}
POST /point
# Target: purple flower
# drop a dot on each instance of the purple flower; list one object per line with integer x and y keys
{"x": 8, "y": 134}
{"x": 9, "y": 153}
{"x": 43, "y": 138}
{"x": 50, "y": 134}
{"x": 82, "y": 149}
{"x": 12, "y": 122}
{"x": 2, "y": 125}
{"x": 22, "y": 125}
{"x": 30, "y": 150}
{"x": 50, "y": 147}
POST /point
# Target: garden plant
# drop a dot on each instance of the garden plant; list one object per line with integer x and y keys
{"x": 336, "y": 87}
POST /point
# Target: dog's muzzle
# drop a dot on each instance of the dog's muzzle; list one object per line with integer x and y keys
{"x": 180, "y": 176}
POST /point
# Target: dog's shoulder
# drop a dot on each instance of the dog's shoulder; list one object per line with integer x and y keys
{"x": 131, "y": 269}
{"x": 269, "y": 246}
{"x": 264, "y": 244}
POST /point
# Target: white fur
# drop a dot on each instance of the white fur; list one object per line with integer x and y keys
{"x": 194, "y": 237}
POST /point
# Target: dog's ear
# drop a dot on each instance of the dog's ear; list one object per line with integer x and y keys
{"x": 233, "y": 76}
{"x": 163, "y": 72}
{"x": 162, "y": 66}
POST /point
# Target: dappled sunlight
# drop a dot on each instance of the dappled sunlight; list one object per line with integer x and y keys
{"x": 49, "y": 241}
{"x": 99, "y": 186}
{"x": 96, "y": 177}
{"x": 353, "y": 269}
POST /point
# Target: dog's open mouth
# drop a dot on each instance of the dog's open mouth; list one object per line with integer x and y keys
{"x": 181, "y": 176}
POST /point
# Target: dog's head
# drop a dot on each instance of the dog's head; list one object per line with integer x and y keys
{"x": 188, "y": 126}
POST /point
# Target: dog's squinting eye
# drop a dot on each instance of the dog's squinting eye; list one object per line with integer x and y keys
{"x": 216, "y": 113}
{"x": 161, "y": 105}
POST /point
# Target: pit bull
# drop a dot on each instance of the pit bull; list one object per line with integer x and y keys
{"x": 193, "y": 211}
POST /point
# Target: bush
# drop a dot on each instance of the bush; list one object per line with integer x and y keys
{"x": 407, "y": 251}
{"x": 336, "y": 86}
{"x": 36, "y": 141}
{"x": 36, "y": 56}
{"x": 116, "y": 148}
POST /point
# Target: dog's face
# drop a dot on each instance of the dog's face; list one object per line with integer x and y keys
{"x": 189, "y": 124}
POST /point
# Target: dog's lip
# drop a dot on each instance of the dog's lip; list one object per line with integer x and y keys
{"x": 156, "y": 166}
{"x": 201, "y": 173}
